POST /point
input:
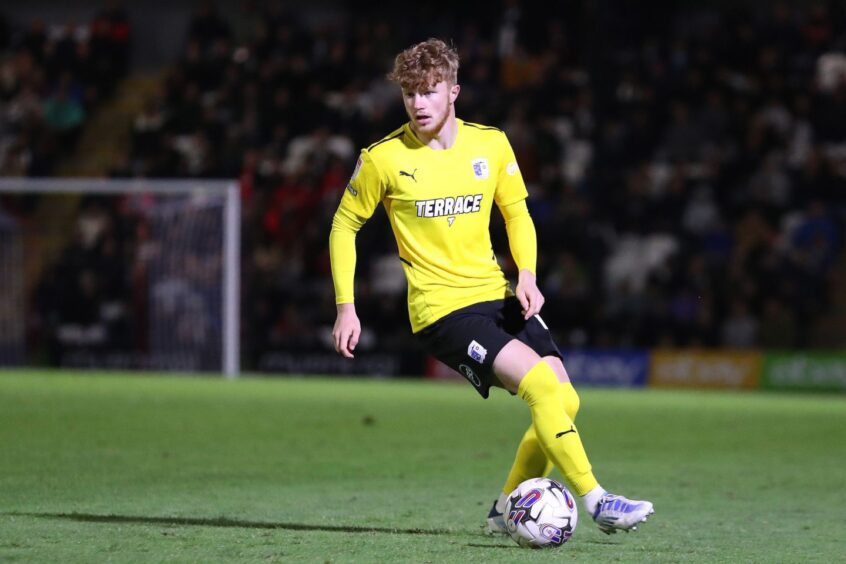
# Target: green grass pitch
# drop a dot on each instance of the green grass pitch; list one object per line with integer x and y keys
{"x": 137, "y": 468}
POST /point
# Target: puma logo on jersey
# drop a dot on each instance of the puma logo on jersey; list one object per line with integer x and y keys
{"x": 409, "y": 174}
{"x": 440, "y": 207}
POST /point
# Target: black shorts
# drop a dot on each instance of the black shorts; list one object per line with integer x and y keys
{"x": 469, "y": 339}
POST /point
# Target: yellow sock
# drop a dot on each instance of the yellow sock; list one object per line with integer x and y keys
{"x": 571, "y": 400}
{"x": 554, "y": 429}
{"x": 530, "y": 461}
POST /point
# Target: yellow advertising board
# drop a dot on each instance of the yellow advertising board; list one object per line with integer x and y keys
{"x": 705, "y": 369}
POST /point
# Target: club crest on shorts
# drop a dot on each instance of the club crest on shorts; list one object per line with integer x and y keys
{"x": 468, "y": 373}
{"x": 481, "y": 169}
{"x": 477, "y": 352}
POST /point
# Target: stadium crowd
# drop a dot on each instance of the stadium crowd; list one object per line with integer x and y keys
{"x": 51, "y": 77}
{"x": 686, "y": 180}
{"x": 686, "y": 166}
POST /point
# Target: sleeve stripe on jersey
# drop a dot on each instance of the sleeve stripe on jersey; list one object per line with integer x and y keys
{"x": 377, "y": 143}
{"x": 406, "y": 262}
{"x": 486, "y": 127}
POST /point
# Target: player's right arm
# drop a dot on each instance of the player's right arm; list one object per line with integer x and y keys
{"x": 363, "y": 193}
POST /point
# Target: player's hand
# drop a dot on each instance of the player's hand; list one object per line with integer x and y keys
{"x": 527, "y": 292}
{"x": 347, "y": 330}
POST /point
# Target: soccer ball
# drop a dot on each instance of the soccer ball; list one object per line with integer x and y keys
{"x": 541, "y": 513}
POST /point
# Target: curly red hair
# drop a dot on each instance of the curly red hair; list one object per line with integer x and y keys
{"x": 425, "y": 64}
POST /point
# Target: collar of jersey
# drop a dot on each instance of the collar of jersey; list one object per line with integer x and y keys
{"x": 417, "y": 140}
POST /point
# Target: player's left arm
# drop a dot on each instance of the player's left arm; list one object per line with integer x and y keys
{"x": 510, "y": 197}
{"x": 522, "y": 240}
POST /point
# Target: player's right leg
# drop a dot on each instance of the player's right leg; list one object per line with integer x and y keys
{"x": 530, "y": 460}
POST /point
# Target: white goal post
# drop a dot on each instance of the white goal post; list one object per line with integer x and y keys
{"x": 198, "y": 211}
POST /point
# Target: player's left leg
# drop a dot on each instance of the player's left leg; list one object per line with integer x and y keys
{"x": 520, "y": 369}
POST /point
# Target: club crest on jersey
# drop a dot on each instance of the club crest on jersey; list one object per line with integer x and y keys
{"x": 477, "y": 352}
{"x": 481, "y": 169}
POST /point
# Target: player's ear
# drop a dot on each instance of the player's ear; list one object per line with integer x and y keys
{"x": 453, "y": 92}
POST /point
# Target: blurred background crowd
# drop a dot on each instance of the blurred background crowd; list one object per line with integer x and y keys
{"x": 686, "y": 163}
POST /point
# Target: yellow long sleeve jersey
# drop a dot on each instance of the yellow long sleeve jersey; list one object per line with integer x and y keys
{"x": 439, "y": 204}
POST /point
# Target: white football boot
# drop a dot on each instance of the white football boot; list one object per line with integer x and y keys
{"x": 616, "y": 513}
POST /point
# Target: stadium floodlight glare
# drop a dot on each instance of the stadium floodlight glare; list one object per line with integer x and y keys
{"x": 192, "y": 269}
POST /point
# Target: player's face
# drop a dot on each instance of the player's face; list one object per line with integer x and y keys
{"x": 430, "y": 109}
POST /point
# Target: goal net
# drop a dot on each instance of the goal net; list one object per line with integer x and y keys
{"x": 120, "y": 274}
